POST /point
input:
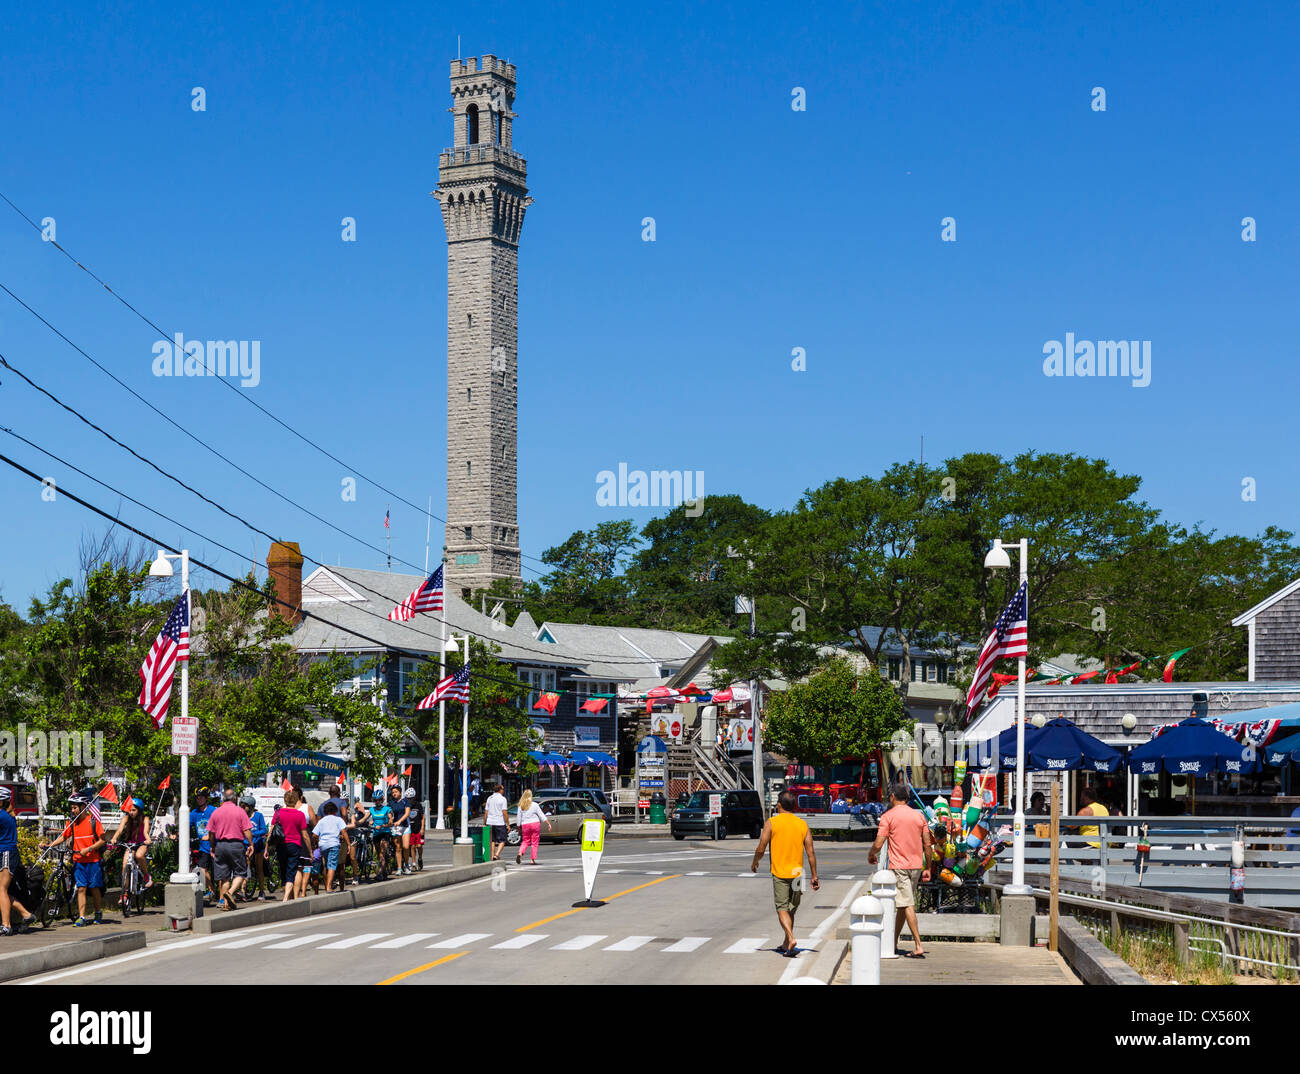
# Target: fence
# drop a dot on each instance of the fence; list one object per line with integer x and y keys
{"x": 1189, "y": 856}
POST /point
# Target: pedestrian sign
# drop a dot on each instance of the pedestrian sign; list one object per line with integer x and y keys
{"x": 593, "y": 845}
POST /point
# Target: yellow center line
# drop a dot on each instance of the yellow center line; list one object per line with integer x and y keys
{"x": 421, "y": 969}
{"x": 579, "y": 909}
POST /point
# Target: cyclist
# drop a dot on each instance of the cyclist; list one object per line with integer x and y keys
{"x": 133, "y": 833}
{"x": 87, "y": 836}
{"x": 380, "y": 814}
{"x": 258, "y": 833}
{"x": 401, "y": 826}
{"x": 415, "y": 841}
{"x": 202, "y": 859}
{"x": 10, "y": 865}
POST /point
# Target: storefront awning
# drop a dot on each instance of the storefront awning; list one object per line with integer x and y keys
{"x": 586, "y": 757}
{"x": 549, "y": 759}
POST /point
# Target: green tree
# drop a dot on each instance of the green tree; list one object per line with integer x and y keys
{"x": 836, "y": 714}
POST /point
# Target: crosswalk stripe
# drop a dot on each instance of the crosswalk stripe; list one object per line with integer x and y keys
{"x": 689, "y": 943}
{"x": 747, "y": 946}
{"x": 301, "y": 941}
{"x": 578, "y": 943}
{"x": 630, "y": 944}
{"x": 706, "y": 874}
{"x": 660, "y": 873}
{"x": 402, "y": 941}
{"x": 615, "y": 870}
{"x": 755, "y": 874}
{"x": 249, "y": 941}
{"x": 573, "y": 870}
{"x": 851, "y": 878}
{"x": 353, "y": 941}
{"x": 516, "y": 942}
{"x": 462, "y": 940}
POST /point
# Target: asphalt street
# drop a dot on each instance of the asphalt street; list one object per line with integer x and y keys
{"x": 673, "y": 914}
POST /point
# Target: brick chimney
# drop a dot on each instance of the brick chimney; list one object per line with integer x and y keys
{"x": 284, "y": 563}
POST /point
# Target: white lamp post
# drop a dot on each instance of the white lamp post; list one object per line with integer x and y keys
{"x": 452, "y": 645}
{"x": 442, "y": 732}
{"x": 997, "y": 559}
{"x": 161, "y": 568}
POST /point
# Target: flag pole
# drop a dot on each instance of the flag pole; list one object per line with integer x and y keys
{"x": 1017, "y": 885}
{"x": 184, "y": 875}
{"x": 464, "y": 761}
{"x": 388, "y": 535}
{"x": 442, "y": 725}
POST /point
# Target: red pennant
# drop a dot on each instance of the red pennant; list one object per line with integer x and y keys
{"x": 109, "y": 794}
{"x": 547, "y": 702}
{"x": 165, "y": 783}
{"x": 1084, "y": 677}
{"x": 407, "y": 770}
{"x": 596, "y": 704}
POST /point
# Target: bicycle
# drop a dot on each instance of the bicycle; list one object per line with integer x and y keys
{"x": 363, "y": 844}
{"x": 386, "y": 858}
{"x": 133, "y": 886}
{"x": 60, "y": 891}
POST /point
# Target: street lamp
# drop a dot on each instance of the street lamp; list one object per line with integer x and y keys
{"x": 451, "y": 645}
{"x": 997, "y": 559}
{"x": 161, "y": 568}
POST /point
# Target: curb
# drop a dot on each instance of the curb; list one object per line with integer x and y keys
{"x": 828, "y": 961}
{"x": 1091, "y": 960}
{"x": 398, "y": 887}
{"x": 61, "y": 955}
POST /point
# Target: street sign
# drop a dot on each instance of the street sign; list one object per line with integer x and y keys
{"x": 185, "y": 736}
{"x": 715, "y": 805}
{"x": 593, "y": 845}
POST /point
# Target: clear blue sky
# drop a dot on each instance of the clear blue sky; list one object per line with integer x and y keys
{"x": 775, "y": 229}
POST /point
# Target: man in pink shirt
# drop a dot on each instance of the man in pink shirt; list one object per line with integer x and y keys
{"x": 909, "y": 840}
{"x": 232, "y": 846}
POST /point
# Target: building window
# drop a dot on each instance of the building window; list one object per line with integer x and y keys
{"x": 469, "y": 533}
{"x": 586, "y": 690}
{"x": 916, "y": 671}
{"x": 540, "y": 681}
{"x": 364, "y": 679}
{"x": 503, "y": 453}
{"x": 471, "y": 124}
{"x": 895, "y": 668}
{"x": 931, "y": 673}
{"x": 469, "y": 468}
{"x": 469, "y": 395}
{"x": 403, "y": 681}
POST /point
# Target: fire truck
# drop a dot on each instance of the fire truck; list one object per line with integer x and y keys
{"x": 855, "y": 781}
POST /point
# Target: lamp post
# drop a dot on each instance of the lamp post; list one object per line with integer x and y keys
{"x": 451, "y": 645}
{"x": 997, "y": 559}
{"x": 442, "y": 731}
{"x": 161, "y": 568}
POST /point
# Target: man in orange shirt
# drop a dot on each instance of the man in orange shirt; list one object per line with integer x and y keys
{"x": 909, "y": 840}
{"x": 87, "y": 835}
{"x": 790, "y": 839}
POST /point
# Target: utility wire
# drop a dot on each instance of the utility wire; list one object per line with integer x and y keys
{"x": 243, "y": 395}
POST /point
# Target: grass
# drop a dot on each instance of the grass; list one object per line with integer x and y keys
{"x": 1152, "y": 955}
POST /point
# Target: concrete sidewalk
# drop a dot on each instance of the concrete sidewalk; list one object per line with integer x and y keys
{"x": 948, "y": 962}
{"x": 59, "y": 946}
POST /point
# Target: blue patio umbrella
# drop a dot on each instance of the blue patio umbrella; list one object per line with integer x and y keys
{"x": 1060, "y": 746}
{"x": 1000, "y": 752}
{"x": 1283, "y": 750}
{"x": 1192, "y": 748}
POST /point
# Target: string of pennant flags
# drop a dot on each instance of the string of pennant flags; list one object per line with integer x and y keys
{"x": 1112, "y": 675}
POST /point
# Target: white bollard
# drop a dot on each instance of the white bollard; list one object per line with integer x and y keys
{"x": 867, "y": 928}
{"x": 884, "y": 886}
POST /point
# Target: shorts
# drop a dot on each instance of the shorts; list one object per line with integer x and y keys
{"x": 417, "y": 839}
{"x": 401, "y": 829}
{"x": 231, "y": 860}
{"x": 288, "y": 858}
{"x": 330, "y": 857}
{"x": 9, "y": 861}
{"x": 499, "y": 832}
{"x": 786, "y": 892}
{"x": 907, "y": 880}
{"x": 201, "y": 859}
{"x": 88, "y": 874}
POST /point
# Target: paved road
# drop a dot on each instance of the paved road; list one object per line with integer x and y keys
{"x": 674, "y": 915}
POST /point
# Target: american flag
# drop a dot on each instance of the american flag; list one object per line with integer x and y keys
{"x": 454, "y": 687}
{"x": 1009, "y": 638}
{"x": 159, "y": 667}
{"x": 386, "y": 525}
{"x": 428, "y": 598}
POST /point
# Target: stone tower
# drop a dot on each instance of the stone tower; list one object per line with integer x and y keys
{"x": 482, "y": 187}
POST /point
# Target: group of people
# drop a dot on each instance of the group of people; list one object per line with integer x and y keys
{"x": 234, "y": 841}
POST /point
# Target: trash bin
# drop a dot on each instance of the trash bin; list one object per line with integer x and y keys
{"x": 480, "y": 835}
{"x": 658, "y": 808}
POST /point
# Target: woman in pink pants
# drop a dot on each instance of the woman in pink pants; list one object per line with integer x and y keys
{"x": 529, "y": 818}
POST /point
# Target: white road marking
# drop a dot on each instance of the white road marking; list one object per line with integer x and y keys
{"x": 630, "y": 944}
{"x": 516, "y": 942}
{"x": 461, "y": 940}
{"x": 249, "y": 941}
{"x": 755, "y": 874}
{"x": 747, "y": 946}
{"x": 300, "y": 941}
{"x": 706, "y": 874}
{"x": 354, "y": 941}
{"x": 575, "y": 868}
{"x": 792, "y": 971}
{"x": 403, "y": 941}
{"x": 578, "y": 943}
{"x": 611, "y": 871}
{"x": 690, "y": 943}
{"x": 660, "y": 873}
{"x": 854, "y": 877}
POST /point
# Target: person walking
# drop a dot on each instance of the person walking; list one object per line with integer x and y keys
{"x": 346, "y": 852}
{"x": 475, "y": 791}
{"x": 329, "y": 832}
{"x": 789, "y": 840}
{"x": 86, "y": 834}
{"x": 10, "y": 864}
{"x": 257, "y": 831}
{"x": 416, "y": 854}
{"x": 401, "y": 808}
{"x": 199, "y": 817}
{"x": 908, "y": 837}
{"x": 498, "y": 820}
{"x": 292, "y": 821}
{"x": 529, "y": 818}
{"x": 230, "y": 830}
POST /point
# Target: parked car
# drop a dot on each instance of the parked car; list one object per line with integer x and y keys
{"x": 742, "y": 814}
{"x": 567, "y": 815}
{"x": 22, "y": 801}
{"x": 597, "y": 797}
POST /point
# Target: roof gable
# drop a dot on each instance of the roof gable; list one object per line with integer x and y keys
{"x": 323, "y": 586}
{"x": 1268, "y": 602}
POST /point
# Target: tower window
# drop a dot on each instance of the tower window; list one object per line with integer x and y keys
{"x": 469, "y": 533}
{"x": 471, "y": 124}
{"x": 469, "y": 467}
{"x": 469, "y": 395}
{"x": 503, "y": 453}
{"x": 469, "y": 320}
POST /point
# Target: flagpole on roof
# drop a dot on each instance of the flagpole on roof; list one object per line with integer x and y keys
{"x": 388, "y": 537}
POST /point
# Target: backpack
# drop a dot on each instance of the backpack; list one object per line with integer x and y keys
{"x": 277, "y": 830}
{"x": 29, "y": 887}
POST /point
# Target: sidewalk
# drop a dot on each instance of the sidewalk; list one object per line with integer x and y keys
{"x": 61, "y": 945}
{"x": 950, "y": 963}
